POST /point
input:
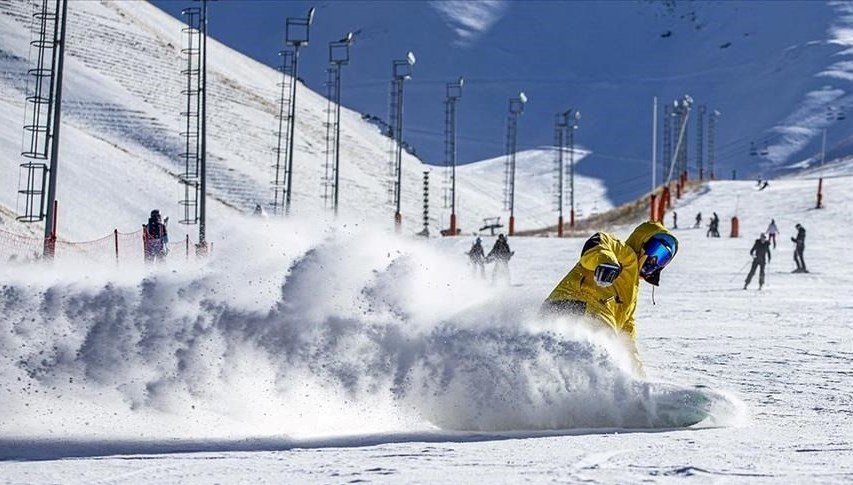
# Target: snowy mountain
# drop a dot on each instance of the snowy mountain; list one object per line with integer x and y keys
{"x": 120, "y": 137}
{"x": 774, "y": 70}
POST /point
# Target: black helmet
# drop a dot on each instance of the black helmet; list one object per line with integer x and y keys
{"x": 155, "y": 213}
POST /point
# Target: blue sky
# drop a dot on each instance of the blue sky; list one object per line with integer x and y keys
{"x": 753, "y": 61}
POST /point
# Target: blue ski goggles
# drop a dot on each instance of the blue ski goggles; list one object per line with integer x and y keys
{"x": 660, "y": 250}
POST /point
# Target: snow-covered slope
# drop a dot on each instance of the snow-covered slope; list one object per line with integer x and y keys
{"x": 120, "y": 138}
{"x": 383, "y": 358}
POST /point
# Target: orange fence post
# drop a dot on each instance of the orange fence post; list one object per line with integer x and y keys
{"x": 735, "y": 227}
{"x": 819, "y": 194}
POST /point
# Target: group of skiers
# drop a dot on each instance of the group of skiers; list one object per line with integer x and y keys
{"x": 713, "y": 224}
{"x": 760, "y": 252}
{"x": 500, "y": 254}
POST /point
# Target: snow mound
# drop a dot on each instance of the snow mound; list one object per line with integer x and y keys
{"x": 319, "y": 334}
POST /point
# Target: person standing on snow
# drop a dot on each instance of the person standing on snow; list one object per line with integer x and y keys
{"x": 477, "y": 257}
{"x": 155, "y": 237}
{"x": 674, "y": 220}
{"x": 800, "y": 241}
{"x": 772, "y": 231}
{"x": 501, "y": 255}
{"x": 605, "y": 283}
{"x": 698, "y": 221}
{"x": 760, "y": 253}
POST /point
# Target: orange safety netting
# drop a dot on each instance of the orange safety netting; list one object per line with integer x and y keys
{"x": 116, "y": 247}
{"x": 14, "y": 247}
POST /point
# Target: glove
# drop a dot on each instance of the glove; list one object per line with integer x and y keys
{"x": 606, "y": 273}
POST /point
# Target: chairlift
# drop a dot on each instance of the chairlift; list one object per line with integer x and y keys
{"x": 765, "y": 151}
{"x": 752, "y": 151}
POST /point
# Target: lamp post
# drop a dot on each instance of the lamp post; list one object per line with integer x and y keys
{"x": 297, "y": 31}
{"x": 338, "y": 56}
{"x": 453, "y": 93}
{"x": 401, "y": 71}
{"x": 516, "y": 107}
{"x": 572, "y": 118}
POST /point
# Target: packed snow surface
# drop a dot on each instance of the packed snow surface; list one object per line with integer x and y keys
{"x": 343, "y": 355}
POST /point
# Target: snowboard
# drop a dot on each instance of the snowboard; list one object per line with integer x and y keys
{"x": 678, "y": 407}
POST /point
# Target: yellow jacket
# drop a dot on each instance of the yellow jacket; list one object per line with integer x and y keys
{"x": 614, "y": 305}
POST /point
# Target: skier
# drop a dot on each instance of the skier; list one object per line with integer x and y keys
{"x": 674, "y": 220}
{"x": 477, "y": 257}
{"x": 714, "y": 226}
{"x": 501, "y": 255}
{"x": 698, "y": 221}
{"x": 772, "y": 230}
{"x": 800, "y": 241}
{"x": 156, "y": 237}
{"x": 605, "y": 283}
{"x": 760, "y": 253}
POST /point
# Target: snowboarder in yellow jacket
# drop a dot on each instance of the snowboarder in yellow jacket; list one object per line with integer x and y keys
{"x": 605, "y": 283}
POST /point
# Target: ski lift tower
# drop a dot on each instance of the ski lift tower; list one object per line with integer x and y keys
{"x": 700, "y": 142}
{"x": 712, "y": 135}
{"x": 279, "y": 183}
{"x": 516, "y": 107}
{"x": 338, "y": 57}
{"x": 42, "y": 119}
{"x": 454, "y": 93}
{"x": 297, "y": 30}
{"x": 192, "y": 92}
{"x": 559, "y": 168}
{"x": 401, "y": 71}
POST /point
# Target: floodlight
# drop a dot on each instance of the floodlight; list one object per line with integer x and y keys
{"x": 577, "y": 115}
{"x": 310, "y": 15}
{"x": 348, "y": 38}
{"x": 717, "y": 113}
{"x": 411, "y": 58}
{"x": 461, "y": 82}
{"x": 522, "y": 97}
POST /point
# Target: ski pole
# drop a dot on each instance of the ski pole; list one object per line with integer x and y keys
{"x": 739, "y": 271}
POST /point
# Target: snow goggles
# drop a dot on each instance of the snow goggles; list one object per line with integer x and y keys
{"x": 660, "y": 250}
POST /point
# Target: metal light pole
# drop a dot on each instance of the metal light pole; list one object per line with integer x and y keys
{"x": 516, "y": 107}
{"x": 296, "y": 35}
{"x": 712, "y": 136}
{"x": 560, "y": 145}
{"x": 202, "y": 207}
{"x": 338, "y": 56}
{"x": 401, "y": 71}
{"x": 59, "y": 52}
{"x": 572, "y": 119}
{"x": 453, "y": 93}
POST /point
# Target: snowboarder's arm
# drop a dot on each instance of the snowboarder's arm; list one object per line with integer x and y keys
{"x": 598, "y": 250}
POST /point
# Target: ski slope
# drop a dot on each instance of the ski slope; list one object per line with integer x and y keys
{"x": 343, "y": 355}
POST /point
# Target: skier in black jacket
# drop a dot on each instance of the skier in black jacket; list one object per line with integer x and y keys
{"x": 800, "y": 241}
{"x": 501, "y": 255}
{"x": 760, "y": 253}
